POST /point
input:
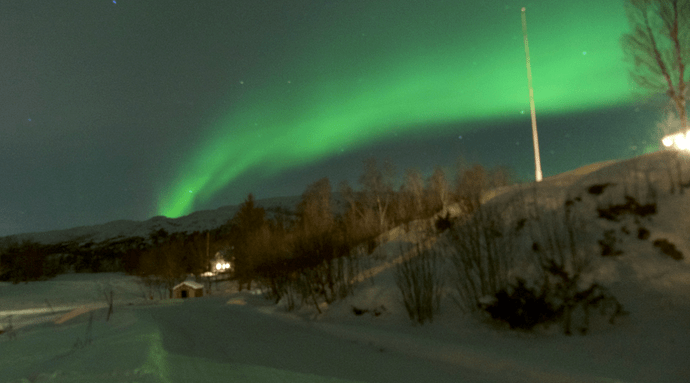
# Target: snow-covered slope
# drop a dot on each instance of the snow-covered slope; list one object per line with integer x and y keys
{"x": 647, "y": 345}
{"x": 232, "y": 336}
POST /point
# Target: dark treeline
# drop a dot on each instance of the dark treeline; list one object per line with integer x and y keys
{"x": 29, "y": 260}
{"x": 308, "y": 255}
{"x": 176, "y": 253}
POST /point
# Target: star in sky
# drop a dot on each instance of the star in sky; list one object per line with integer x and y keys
{"x": 314, "y": 98}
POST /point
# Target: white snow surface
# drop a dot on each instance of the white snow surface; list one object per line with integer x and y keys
{"x": 228, "y": 336}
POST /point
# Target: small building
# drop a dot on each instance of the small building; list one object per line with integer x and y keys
{"x": 188, "y": 289}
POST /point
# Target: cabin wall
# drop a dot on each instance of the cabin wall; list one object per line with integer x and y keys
{"x": 191, "y": 293}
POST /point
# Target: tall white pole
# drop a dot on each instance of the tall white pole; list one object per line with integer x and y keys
{"x": 535, "y": 137}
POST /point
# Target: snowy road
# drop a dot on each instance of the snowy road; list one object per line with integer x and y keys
{"x": 207, "y": 330}
{"x": 208, "y": 340}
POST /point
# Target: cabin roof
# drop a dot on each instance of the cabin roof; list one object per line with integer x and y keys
{"x": 191, "y": 284}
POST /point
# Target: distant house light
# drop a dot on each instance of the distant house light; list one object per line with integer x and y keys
{"x": 222, "y": 266}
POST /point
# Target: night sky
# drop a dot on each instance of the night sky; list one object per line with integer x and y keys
{"x": 131, "y": 109}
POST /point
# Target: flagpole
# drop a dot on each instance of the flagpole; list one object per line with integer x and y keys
{"x": 535, "y": 137}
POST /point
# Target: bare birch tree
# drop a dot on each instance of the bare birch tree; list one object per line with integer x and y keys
{"x": 412, "y": 193}
{"x": 659, "y": 48}
{"x": 438, "y": 189}
{"x": 378, "y": 189}
{"x": 470, "y": 186}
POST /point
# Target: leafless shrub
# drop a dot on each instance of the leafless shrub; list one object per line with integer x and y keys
{"x": 150, "y": 286}
{"x": 557, "y": 238}
{"x": 566, "y": 294}
{"x": 300, "y": 282}
{"x": 563, "y": 258}
{"x": 335, "y": 277}
{"x": 420, "y": 280}
{"x": 482, "y": 256}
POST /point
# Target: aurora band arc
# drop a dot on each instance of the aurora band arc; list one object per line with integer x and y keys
{"x": 272, "y": 129}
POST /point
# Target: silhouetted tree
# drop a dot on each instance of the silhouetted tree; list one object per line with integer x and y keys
{"x": 314, "y": 239}
{"x": 165, "y": 262}
{"x": 158, "y": 236}
{"x": 659, "y": 48}
{"x": 314, "y": 210}
{"x": 244, "y": 225}
{"x": 200, "y": 251}
{"x": 23, "y": 262}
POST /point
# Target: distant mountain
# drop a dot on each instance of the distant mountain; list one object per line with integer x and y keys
{"x": 123, "y": 229}
{"x": 117, "y": 231}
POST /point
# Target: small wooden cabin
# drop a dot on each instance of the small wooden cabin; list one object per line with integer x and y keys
{"x": 188, "y": 289}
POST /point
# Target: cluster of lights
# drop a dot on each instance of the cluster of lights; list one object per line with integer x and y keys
{"x": 222, "y": 266}
{"x": 679, "y": 141}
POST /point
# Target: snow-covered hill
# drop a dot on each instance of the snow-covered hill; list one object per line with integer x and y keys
{"x": 367, "y": 337}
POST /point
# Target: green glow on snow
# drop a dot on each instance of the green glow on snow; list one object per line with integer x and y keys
{"x": 423, "y": 68}
{"x": 156, "y": 361}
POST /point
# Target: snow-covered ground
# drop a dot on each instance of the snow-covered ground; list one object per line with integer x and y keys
{"x": 229, "y": 336}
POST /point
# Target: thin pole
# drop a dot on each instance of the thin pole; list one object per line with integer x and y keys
{"x": 208, "y": 260}
{"x": 535, "y": 137}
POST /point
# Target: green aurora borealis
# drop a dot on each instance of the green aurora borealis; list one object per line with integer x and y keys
{"x": 355, "y": 72}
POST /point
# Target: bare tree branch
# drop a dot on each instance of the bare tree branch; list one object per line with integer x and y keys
{"x": 658, "y": 48}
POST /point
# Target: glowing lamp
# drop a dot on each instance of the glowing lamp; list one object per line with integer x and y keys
{"x": 680, "y": 141}
{"x": 222, "y": 266}
{"x": 667, "y": 141}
